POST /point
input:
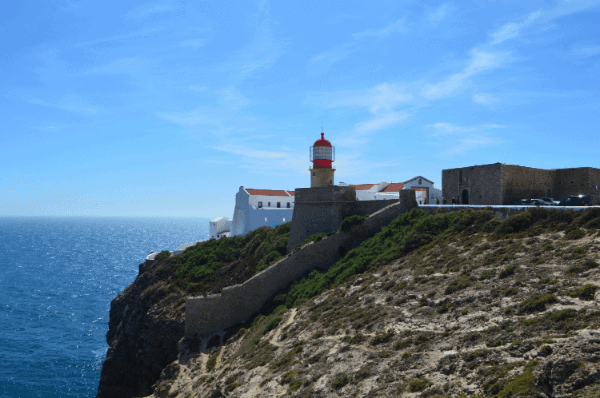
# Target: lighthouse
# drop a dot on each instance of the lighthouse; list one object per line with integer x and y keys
{"x": 322, "y": 154}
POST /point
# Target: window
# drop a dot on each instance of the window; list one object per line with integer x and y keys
{"x": 269, "y": 204}
{"x": 260, "y": 205}
{"x": 420, "y": 181}
{"x": 313, "y": 173}
{"x": 288, "y": 203}
{"x": 278, "y": 205}
{"x": 265, "y": 219}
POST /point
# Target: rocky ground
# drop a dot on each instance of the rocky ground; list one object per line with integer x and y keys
{"x": 513, "y": 316}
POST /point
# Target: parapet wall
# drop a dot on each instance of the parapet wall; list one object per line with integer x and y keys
{"x": 323, "y": 209}
{"x": 236, "y": 304}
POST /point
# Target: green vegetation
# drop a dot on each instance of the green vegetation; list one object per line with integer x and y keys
{"x": 519, "y": 386}
{"x": 585, "y": 292}
{"x": 340, "y": 381}
{"x": 259, "y": 249}
{"x": 417, "y": 385}
{"x": 537, "y": 303}
{"x": 585, "y": 266}
{"x": 211, "y": 363}
{"x": 351, "y": 221}
{"x": 313, "y": 238}
{"x": 162, "y": 255}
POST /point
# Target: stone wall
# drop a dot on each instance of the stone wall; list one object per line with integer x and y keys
{"x": 498, "y": 184}
{"x": 323, "y": 209}
{"x": 520, "y": 182}
{"x": 235, "y": 304}
{"x": 482, "y": 183}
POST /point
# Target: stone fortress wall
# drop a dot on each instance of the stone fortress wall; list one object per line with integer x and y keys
{"x": 322, "y": 209}
{"x": 498, "y": 184}
{"x": 235, "y": 304}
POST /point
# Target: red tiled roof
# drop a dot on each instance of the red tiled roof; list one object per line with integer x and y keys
{"x": 394, "y": 187}
{"x": 292, "y": 193}
{"x": 267, "y": 192}
{"x": 362, "y": 187}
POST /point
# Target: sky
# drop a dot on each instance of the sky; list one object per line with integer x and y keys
{"x": 125, "y": 108}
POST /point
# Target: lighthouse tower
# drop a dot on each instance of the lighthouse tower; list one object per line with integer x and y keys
{"x": 322, "y": 154}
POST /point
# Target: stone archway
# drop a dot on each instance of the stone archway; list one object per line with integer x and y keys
{"x": 464, "y": 200}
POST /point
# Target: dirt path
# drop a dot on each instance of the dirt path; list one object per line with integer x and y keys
{"x": 288, "y": 322}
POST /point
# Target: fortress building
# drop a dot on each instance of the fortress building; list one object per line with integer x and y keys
{"x": 501, "y": 184}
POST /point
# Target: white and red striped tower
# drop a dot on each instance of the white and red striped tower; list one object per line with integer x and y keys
{"x": 322, "y": 154}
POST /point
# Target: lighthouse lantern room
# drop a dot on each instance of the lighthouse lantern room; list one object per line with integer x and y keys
{"x": 322, "y": 154}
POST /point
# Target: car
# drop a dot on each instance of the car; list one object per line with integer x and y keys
{"x": 576, "y": 200}
{"x": 521, "y": 202}
{"x": 550, "y": 201}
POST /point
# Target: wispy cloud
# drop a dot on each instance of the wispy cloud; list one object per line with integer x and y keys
{"x": 71, "y": 103}
{"x": 394, "y": 27}
{"x": 586, "y": 50}
{"x": 438, "y": 14}
{"x": 231, "y": 97}
{"x": 481, "y": 61}
{"x": 147, "y": 10}
{"x": 484, "y": 99}
{"x": 194, "y": 43}
{"x": 120, "y": 66}
{"x": 334, "y": 55}
{"x": 197, "y": 117}
{"x": 513, "y": 29}
{"x": 458, "y": 140}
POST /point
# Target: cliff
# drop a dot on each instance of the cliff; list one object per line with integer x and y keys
{"x": 432, "y": 305}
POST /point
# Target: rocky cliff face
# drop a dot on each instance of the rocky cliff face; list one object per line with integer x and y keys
{"x": 474, "y": 315}
{"x": 142, "y": 339}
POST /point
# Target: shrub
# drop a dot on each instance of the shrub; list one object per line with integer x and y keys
{"x": 340, "y": 381}
{"x": 162, "y": 255}
{"x": 416, "y": 385}
{"x": 516, "y": 223}
{"x": 585, "y": 292}
{"x": 211, "y": 363}
{"x": 232, "y": 386}
{"x": 519, "y": 386}
{"x": 457, "y": 284}
{"x": 537, "y": 303}
{"x": 575, "y": 234}
{"x": 585, "y": 266}
{"x": 351, "y": 221}
{"x": 382, "y": 338}
{"x": 508, "y": 271}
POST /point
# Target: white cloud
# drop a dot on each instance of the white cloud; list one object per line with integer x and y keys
{"x": 71, "y": 103}
{"x": 233, "y": 98}
{"x": 394, "y": 27}
{"x": 193, "y": 118}
{"x": 383, "y": 97}
{"x": 586, "y": 50}
{"x": 457, "y": 139}
{"x": 513, "y": 29}
{"x": 334, "y": 55}
{"x": 438, "y": 14}
{"x": 194, "y": 43}
{"x": 147, "y": 10}
{"x": 463, "y": 145}
{"x": 481, "y": 61}
{"x": 380, "y": 122}
{"x": 484, "y": 99}
{"x": 119, "y": 66}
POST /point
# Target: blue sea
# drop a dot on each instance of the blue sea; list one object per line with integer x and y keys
{"x": 57, "y": 279}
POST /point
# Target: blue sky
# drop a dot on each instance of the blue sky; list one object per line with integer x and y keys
{"x": 121, "y": 108}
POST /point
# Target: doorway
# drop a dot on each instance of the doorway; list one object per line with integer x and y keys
{"x": 464, "y": 200}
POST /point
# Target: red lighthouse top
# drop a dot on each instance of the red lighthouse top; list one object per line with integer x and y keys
{"x": 322, "y": 153}
{"x": 322, "y": 141}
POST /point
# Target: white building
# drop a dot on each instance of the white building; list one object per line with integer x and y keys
{"x": 220, "y": 226}
{"x": 255, "y": 208}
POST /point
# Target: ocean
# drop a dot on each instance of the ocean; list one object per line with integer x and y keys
{"x": 58, "y": 276}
